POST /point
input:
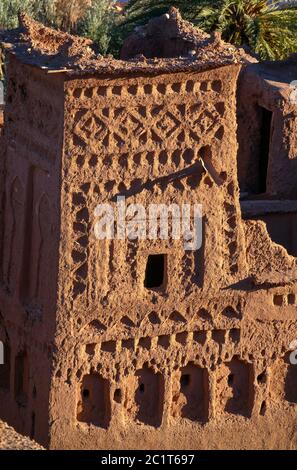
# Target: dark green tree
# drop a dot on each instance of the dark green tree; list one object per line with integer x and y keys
{"x": 96, "y": 19}
{"x": 98, "y": 24}
{"x": 9, "y": 10}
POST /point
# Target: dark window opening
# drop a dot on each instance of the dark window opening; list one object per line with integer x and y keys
{"x": 263, "y": 408}
{"x": 86, "y": 393}
{"x": 32, "y": 431}
{"x": 21, "y": 378}
{"x": 261, "y": 379}
{"x": 265, "y": 131}
{"x": 141, "y": 388}
{"x": 185, "y": 380}
{"x": 230, "y": 379}
{"x": 155, "y": 271}
{"x": 118, "y": 395}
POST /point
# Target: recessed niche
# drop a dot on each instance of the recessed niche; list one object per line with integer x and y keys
{"x": 234, "y": 335}
{"x": 94, "y": 405}
{"x": 118, "y": 396}
{"x": 291, "y": 299}
{"x": 200, "y": 337}
{"x": 149, "y": 397}
{"x": 91, "y": 349}
{"x": 185, "y": 381}
{"x": 145, "y": 343}
{"x": 127, "y": 322}
{"x": 194, "y": 388}
{"x": 263, "y": 408}
{"x": 128, "y": 344}
{"x": 154, "y": 318}
{"x": 182, "y": 338}
{"x": 218, "y": 336}
{"x": 164, "y": 341}
{"x": 235, "y": 382}
{"x": 109, "y": 346}
{"x": 278, "y": 300}
{"x": 21, "y": 378}
{"x": 262, "y": 378}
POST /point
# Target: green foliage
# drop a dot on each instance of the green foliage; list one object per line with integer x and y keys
{"x": 95, "y": 19}
{"x": 41, "y": 10}
{"x": 269, "y": 31}
{"x": 139, "y": 12}
{"x": 98, "y": 24}
{"x": 9, "y": 10}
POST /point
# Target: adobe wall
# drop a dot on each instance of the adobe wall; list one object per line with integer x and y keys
{"x": 166, "y": 36}
{"x": 31, "y": 146}
{"x": 98, "y": 358}
{"x": 195, "y": 363}
{"x": 267, "y": 86}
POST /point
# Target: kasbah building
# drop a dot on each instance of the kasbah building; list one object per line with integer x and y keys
{"x": 115, "y": 344}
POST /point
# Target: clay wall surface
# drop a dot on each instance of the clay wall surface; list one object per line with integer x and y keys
{"x": 141, "y": 344}
{"x": 31, "y": 146}
{"x": 166, "y": 36}
{"x": 264, "y": 89}
{"x": 192, "y": 363}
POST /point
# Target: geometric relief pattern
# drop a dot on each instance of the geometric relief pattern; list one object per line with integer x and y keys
{"x": 79, "y": 251}
{"x": 133, "y": 123}
{"x": 14, "y": 217}
{"x": 153, "y": 124}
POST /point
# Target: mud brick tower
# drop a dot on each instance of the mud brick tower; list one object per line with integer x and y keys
{"x": 135, "y": 344}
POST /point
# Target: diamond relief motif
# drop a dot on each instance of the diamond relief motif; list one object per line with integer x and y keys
{"x": 156, "y": 124}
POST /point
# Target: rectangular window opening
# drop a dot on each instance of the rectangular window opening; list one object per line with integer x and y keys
{"x": 155, "y": 271}
{"x": 265, "y": 130}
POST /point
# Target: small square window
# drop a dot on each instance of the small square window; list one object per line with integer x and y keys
{"x": 155, "y": 271}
